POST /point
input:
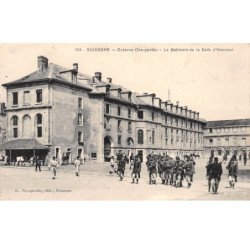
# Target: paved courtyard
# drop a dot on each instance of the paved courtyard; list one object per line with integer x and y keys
{"x": 95, "y": 183}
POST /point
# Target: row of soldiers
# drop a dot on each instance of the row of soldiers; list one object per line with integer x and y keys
{"x": 171, "y": 171}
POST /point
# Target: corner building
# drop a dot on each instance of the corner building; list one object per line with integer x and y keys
{"x": 71, "y": 114}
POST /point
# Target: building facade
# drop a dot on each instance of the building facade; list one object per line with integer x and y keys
{"x": 73, "y": 114}
{"x": 227, "y": 137}
{"x": 2, "y": 125}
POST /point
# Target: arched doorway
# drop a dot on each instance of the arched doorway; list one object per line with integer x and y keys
{"x": 108, "y": 143}
{"x": 26, "y": 127}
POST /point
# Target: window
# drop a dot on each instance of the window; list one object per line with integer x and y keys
{"x": 15, "y": 98}
{"x": 14, "y": 121}
{"x": 218, "y": 130}
{"x": 140, "y": 114}
{"x": 93, "y": 155}
{"x": 119, "y": 111}
{"x": 226, "y": 142}
{"x": 107, "y": 123}
{"x": 226, "y": 130}
{"x": 39, "y": 95}
{"x": 243, "y": 129}
{"x": 119, "y": 125}
{"x": 80, "y": 119}
{"x": 166, "y": 132}
{"x": 166, "y": 120}
{"x": 26, "y": 97}
{"x": 210, "y": 130}
{"x": 219, "y": 151}
{"x": 119, "y": 94}
{"x": 166, "y": 141}
{"x": 80, "y": 103}
{"x": 129, "y": 113}
{"x": 243, "y": 142}
{"x": 176, "y": 121}
{"x": 210, "y": 142}
{"x": 191, "y": 125}
{"x": 107, "y": 109}
{"x": 153, "y": 137}
{"x": 153, "y": 116}
{"x": 129, "y": 126}
{"x": 140, "y": 136}
{"x": 235, "y": 141}
{"x": 80, "y": 137}
{"x": 39, "y": 122}
{"x": 119, "y": 139}
{"x": 15, "y": 132}
{"x": 171, "y": 121}
{"x": 234, "y": 130}
{"x": 172, "y": 142}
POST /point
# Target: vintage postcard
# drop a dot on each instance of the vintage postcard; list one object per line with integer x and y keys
{"x": 124, "y": 122}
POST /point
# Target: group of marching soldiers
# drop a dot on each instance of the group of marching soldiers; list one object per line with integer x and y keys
{"x": 174, "y": 171}
{"x": 171, "y": 171}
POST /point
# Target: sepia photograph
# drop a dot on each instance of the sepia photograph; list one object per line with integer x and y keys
{"x": 124, "y": 122}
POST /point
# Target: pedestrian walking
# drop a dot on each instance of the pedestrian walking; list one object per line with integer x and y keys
{"x": 232, "y": 168}
{"x": 112, "y": 165}
{"x": 77, "y": 164}
{"x": 131, "y": 158}
{"x": 53, "y": 166}
{"x": 38, "y": 164}
{"x": 245, "y": 158}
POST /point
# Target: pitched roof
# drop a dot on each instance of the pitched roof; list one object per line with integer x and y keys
{"x": 55, "y": 72}
{"x": 23, "y": 144}
{"x": 228, "y": 123}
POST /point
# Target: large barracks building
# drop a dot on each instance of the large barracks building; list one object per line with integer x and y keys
{"x": 56, "y": 111}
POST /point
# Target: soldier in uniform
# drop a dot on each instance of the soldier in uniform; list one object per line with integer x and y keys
{"x": 151, "y": 164}
{"x": 192, "y": 162}
{"x": 189, "y": 171}
{"x": 215, "y": 175}
{"x": 136, "y": 170}
{"x": 232, "y": 168}
{"x": 161, "y": 168}
{"x": 121, "y": 167}
{"x": 209, "y": 169}
{"x": 180, "y": 171}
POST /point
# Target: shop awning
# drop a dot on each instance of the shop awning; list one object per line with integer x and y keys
{"x": 23, "y": 144}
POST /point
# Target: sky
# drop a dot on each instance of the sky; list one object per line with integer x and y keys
{"x": 213, "y": 79}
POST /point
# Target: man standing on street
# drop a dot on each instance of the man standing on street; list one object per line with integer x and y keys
{"x": 77, "y": 164}
{"x": 38, "y": 164}
{"x": 53, "y": 165}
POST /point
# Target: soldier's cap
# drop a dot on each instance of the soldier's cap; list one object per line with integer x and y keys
{"x": 177, "y": 158}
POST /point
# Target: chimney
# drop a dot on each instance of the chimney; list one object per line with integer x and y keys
{"x": 42, "y": 64}
{"x": 98, "y": 75}
{"x": 109, "y": 80}
{"x": 75, "y": 67}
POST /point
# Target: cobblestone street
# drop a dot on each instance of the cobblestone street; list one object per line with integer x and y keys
{"x": 95, "y": 183}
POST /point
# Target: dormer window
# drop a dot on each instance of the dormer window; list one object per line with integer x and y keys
{"x": 119, "y": 94}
